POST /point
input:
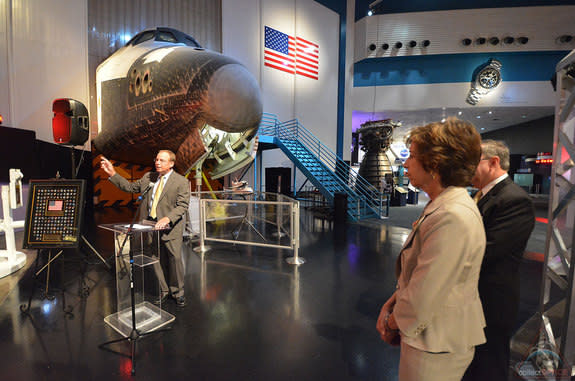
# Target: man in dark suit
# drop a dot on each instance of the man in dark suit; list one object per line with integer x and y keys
{"x": 508, "y": 218}
{"x": 166, "y": 203}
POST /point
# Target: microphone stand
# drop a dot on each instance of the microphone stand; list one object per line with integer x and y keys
{"x": 134, "y": 334}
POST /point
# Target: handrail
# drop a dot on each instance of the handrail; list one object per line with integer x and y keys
{"x": 359, "y": 186}
{"x": 360, "y": 190}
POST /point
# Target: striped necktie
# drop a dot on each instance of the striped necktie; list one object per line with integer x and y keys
{"x": 157, "y": 197}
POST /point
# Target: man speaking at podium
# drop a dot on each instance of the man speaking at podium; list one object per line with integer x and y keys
{"x": 166, "y": 199}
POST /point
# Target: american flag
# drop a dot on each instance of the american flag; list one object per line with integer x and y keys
{"x": 294, "y": 55}
{"x": 55, "y": 205}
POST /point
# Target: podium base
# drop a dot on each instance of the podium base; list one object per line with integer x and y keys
{"x": 148, "y": 318}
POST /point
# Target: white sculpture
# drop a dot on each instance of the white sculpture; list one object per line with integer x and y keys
{"x": 10, "y": 259}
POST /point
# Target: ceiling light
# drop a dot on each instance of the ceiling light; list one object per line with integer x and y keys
{"x": 490, "y": 112}
{"x": 460, "y": 112}
{"x": 482, "y": 128}
{"x": 478, "y": 116}
{"x": 412, "y": 44}
{"x": 373, "y": 7}
{"x": 398, "y": 45}
{"x": 426, "y": 43}
{"x": 372, "y": 47}
{"x": 385, "y": 46}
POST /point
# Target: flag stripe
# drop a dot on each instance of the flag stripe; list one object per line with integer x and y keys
{"x": 308, "y": 42}
{"x": 280, "y": 63}
{"x": 283, "y": 68}
{"x": 307, "y": 75}
{"x": 307, "y": 63}
{"x": 272, "y": 55}
{"x": 302, "y": 68}
{"x": 306, "y": 53}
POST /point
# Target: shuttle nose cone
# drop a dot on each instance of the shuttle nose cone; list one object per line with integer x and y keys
{"x": 233, "y": 99}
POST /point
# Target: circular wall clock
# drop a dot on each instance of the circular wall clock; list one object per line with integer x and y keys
{"x": 486, "y": 80}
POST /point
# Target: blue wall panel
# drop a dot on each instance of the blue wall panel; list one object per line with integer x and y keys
{"x": 451, "y": 68}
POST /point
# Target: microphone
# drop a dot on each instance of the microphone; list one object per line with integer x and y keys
{"x": 148, "y": 188}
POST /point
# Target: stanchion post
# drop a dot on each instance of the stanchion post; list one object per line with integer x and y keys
{"x": 279, "y": 216}
{"x": 202, "y": 248}
{"x": 294, "y": 222}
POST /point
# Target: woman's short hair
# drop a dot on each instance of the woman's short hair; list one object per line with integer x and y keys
{"x": 451, "y": 149}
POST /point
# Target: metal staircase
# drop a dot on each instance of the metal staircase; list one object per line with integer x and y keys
{"x": 329, "y": 174}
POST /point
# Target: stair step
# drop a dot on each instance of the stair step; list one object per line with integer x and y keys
{"x": 329, "y": 183}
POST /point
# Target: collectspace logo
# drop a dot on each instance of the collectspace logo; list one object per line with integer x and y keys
{"x": 543, "y": 364}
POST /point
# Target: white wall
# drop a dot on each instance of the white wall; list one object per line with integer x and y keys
{"x": 349, "y": 61}
{"x": 312, "y": 102}
{"x": 316, "y": 101}
{"x": 446, "y": 30}
{"x": 44, "y": 51}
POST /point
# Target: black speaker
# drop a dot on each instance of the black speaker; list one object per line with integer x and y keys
{"x": 70, "y": 123}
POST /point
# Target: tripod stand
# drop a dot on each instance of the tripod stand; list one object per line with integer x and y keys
{"x": 25, "y": 308}
{"x": 142, "y": 315}
{"x": 245, "y": 219}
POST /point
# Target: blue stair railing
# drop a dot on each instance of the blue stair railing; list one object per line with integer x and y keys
{"x": 323, "y": 168}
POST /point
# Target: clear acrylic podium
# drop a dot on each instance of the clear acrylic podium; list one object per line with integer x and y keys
{"x": 144, "y": 242}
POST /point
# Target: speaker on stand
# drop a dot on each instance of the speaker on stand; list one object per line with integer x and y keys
{"x": 71, "y": 127}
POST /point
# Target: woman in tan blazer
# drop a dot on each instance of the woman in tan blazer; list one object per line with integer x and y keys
{"x": 436, "y": 312}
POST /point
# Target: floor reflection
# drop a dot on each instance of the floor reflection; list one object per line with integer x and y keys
{"x": 250, "y": 315}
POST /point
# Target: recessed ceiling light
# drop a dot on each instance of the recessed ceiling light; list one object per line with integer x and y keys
{"x": 524, "y": 116}
{"x": 490, "y": 113}
{"x": 478, "y": 116}
{"x": 482, "y": 128}
{"x": 459, "y": 113}
{"x": 443, "y": 120}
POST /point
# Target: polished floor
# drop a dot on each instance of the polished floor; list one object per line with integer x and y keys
{"x": 249, "y": 316}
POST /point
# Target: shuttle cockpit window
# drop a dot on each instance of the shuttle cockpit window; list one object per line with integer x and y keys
{"x": 144, "y": 36}
{"x": 191, "y": 42}
{"x": 166, "y": 37}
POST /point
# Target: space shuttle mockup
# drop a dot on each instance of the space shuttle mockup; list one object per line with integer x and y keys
{"x": 164, "y": 91}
